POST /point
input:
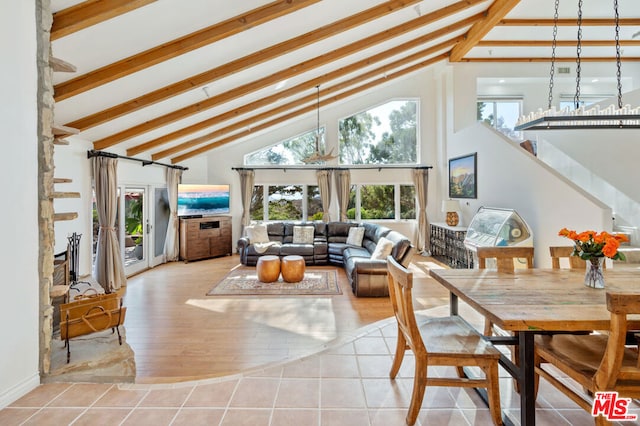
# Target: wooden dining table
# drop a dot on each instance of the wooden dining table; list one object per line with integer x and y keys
{"x": 534, "y": 301}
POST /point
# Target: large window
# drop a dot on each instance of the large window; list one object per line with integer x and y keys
{"x": 387, "y": 134}
{"x": 289, "y": 152}
{"x": 302, "y": 202}
{"x": 285, "y": 202}
{"x": 501, "y": 114}
{"x": 380, "y": 202}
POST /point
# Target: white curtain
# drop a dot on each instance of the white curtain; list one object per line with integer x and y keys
{"x": 343, "y": 188}
{"x": 324, "y": 185}
{"x": 421, "y": 183}
{"x": 108, "y": 271}
{"x": 247, "y": 178}
{"x": 171, "y": 246}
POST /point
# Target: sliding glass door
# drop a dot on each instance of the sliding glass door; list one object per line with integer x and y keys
{"x": 135, "y": 232}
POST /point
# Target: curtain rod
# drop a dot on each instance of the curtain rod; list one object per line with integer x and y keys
{"x": 93, "y": 153}
{"x": 379, "y": 168}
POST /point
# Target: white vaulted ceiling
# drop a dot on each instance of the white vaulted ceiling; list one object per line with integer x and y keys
{"x": 160, "y": 110}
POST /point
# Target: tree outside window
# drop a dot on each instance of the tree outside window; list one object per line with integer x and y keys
{"x": 407, "y": 202}
{"x": 256, "y": 211}
{"x": 314, "y": 203}
{"x": 285, "y": 202}
{"x": 387, "y": 134}
{"x": 377, "y": 202}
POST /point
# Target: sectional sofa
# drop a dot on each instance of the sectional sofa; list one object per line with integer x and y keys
{"x": 361, "y": 251}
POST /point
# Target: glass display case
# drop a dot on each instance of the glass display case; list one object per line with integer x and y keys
{"x": 495, "y": 227}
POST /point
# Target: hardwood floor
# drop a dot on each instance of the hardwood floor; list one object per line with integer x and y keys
{"x": 178, "y": 333}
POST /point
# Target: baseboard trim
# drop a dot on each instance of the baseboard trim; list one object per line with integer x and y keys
{"x": 19, "y": 390}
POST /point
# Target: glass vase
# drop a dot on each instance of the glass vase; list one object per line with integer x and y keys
{"x": 593, "y": 277}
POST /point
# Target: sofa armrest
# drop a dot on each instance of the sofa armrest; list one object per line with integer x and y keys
{"x": 368, "y": 266}
{"x": 243, "y": 244}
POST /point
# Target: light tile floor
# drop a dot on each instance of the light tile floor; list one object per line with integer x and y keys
{"x": 347, "y": 384}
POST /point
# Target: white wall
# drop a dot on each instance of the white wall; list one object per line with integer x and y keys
{"x": 420, "y": 86}
{"x": 510, "y": 177}
{"x": 19, "y": 303}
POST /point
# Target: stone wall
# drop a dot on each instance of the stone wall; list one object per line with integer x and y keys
{"x": 44, "y": 20}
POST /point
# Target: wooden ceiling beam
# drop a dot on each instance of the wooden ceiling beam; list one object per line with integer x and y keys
{"x": 568, "y": 22}
{"x": 583, "y": 59}
{"x": 560, "y": 43}
{"x": 290, "y": 72}
{"x": 238, "y": 65}
{"x": 344, "y": 95}
{"x": 323, "y": 79}
{"x": 177, "y": 47}
{"x": 251, "y": 121}
{"x": 90, "y": 12}
{"x": 495, "y": 13}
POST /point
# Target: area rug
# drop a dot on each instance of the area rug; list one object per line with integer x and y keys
{"x": 244, "y": 281}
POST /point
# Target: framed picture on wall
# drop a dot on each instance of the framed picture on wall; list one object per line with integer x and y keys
{"x": 462, "y": 176}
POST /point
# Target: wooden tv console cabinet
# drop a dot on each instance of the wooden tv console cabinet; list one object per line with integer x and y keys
{"x": 205, "y": 237}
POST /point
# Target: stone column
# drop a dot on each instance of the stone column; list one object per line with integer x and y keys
{"x": 44, "y": 19}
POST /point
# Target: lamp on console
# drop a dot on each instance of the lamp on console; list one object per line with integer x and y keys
{"x": 451, "y": 208}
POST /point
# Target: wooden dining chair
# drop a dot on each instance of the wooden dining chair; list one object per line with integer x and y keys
{"x": 597, "y": 362}
{"x": 575, "y": 262}
{"x": 441, "y": 341}
{"x": 559, "y": 252}
{"x": 505, "y": 262}
{"x": 505, "y": 257}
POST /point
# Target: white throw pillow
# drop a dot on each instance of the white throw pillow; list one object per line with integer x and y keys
{"x": 303, "y": 234}
{"x": 383, "y": 249}
{"x": 257, "y": 234}
{"x": 356, "y": 234}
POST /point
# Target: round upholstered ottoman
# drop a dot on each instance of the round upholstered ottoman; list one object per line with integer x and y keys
{"x": 292, "y": 268}
{"x": 268, "y": 269}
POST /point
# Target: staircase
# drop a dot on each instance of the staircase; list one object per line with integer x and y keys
{"x": 626, "y": 209}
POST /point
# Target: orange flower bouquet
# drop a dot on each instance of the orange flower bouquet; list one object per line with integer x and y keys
{"x": 591, "y": 244}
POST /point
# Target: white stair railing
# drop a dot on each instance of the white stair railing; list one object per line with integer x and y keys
{"x": 626, "y": 210}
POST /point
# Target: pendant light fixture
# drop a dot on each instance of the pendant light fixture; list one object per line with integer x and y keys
{"x": 317, "y": 157}
{"x": 622, "y": 117}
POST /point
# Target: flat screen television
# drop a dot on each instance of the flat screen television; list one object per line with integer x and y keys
{"x": 205, "y": 200}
